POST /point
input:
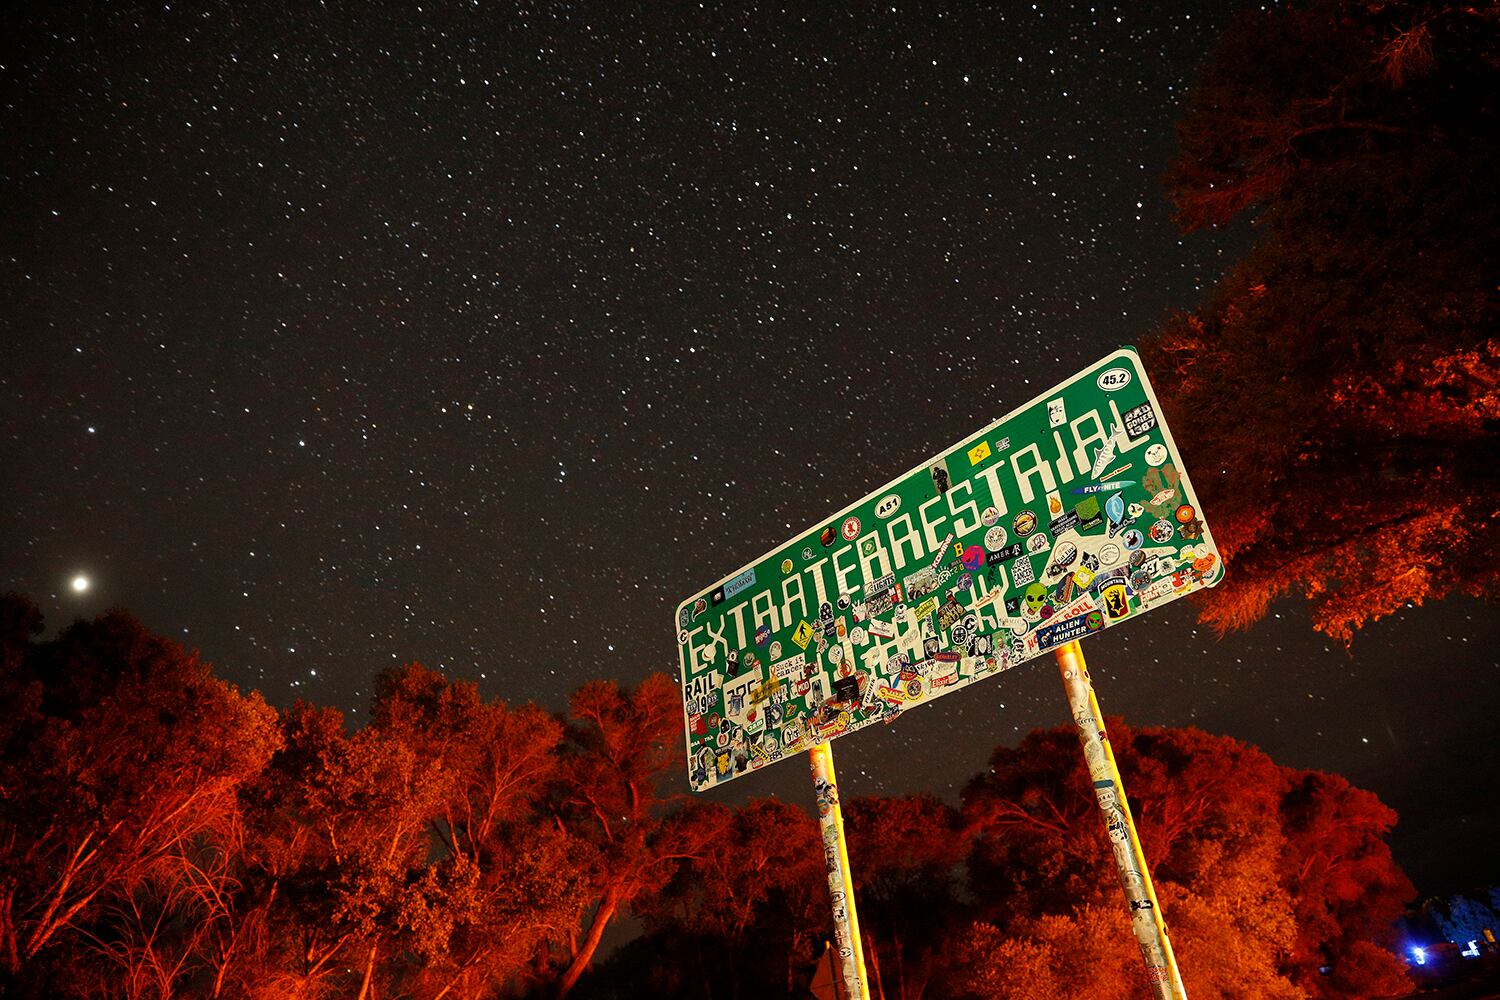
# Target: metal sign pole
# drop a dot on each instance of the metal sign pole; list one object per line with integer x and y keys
{"x": 840, "y": 885}
{"x": 1130, "y": 861}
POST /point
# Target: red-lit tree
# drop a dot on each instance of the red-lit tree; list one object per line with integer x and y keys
{"x": 620, "y": 747}
{"x": 489, "y": 767}
{"x": 1346, "y": 889}
{"x": 1340, "y": 395}
{"x": 1235, "y": 843}
{"x": 121, "y": 758}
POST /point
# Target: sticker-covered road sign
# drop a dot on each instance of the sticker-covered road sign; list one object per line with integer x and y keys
{"x": 1069, "y": 515}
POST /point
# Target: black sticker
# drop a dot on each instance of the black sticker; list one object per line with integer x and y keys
{"x": 846, "y": 689}
{"x": 1009, "y": 552}
{"x": 1063, "y": 522}
{"x": 1140, "y": 421}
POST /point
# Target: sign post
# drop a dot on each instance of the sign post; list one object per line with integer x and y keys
{"x": 1146, "y": 918}
{"x": 846, "y": 939}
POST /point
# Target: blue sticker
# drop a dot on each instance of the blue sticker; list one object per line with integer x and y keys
{"x": 1066, "y": 631}
{"x": 739, "y": 583}
{"x": 1114, "y": 509}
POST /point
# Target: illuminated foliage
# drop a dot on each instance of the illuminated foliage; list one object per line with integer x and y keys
{"x": 1265, "y": 873}
{"x": 166, "y": 836}
{"x": 744, "y": 913}
{"x": 620, "y": 747}
{"x": 1339, "y": 397}
{"x": 121, "y": 758}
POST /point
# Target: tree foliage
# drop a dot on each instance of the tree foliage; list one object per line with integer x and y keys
{"x": 121, "y": 759}
{"x": 1340, "y": 394}
{"x": 1266, "y": 873}
{"x": 164, "y": 835}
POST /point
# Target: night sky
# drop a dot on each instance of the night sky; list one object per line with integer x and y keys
{"x": 337, "y": 338}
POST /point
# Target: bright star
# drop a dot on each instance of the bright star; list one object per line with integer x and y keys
{"x": 80, "y": 583}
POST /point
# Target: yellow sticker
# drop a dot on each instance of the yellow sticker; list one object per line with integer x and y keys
{"x": 764, "y": 692}
{"x": 979, "y": 453}
{"x": 927, "y": 607}
{"x": 1083, "y": 576}
{"x": 803, "y": 635}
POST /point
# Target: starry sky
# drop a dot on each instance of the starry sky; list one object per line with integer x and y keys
{"x": 337, "y": 336}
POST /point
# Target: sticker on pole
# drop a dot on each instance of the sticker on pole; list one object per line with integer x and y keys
{"x": 1068, "y": 516}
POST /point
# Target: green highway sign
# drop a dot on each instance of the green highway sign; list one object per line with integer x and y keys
{"x": 1067, "y": 516}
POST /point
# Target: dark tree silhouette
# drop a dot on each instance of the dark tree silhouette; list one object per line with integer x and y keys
{"x": 747, "y": 911}
{"x": 911, "y": 852}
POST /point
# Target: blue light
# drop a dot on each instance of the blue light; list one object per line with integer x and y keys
{"x": 1420, "y": 954}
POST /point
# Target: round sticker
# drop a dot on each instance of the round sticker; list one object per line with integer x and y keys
{"x": 990, "y": 516}
{"x": 1109, "y": 554}
{"x": 1161, "y": 532}
{"x": 888, "y": 505}
{"x": 762, "y": 634}
{"x": 835, "y": 655}
{"x": 1112, "y": 379}
{"x": 857, "y": 635}
{"x": 994, "y": 538}
{"x": 973, "y": 557}
{"x": 776, "y": 649}
{"x": 1025, "y": 523}
{"x": 827, "y": 537}
{"x": 850, "y": 530}
{"x": 1156, "y": 455}
{"x": 1094, "y": 622}
{"x": 682, "y": 636}
{"x": 1185, "y": 513}
{"x": 1215, "y": 571}
{"x": 1133, "y": 539}
{"x": 786, "y": 565}
{"x": 1037, "y": 543}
